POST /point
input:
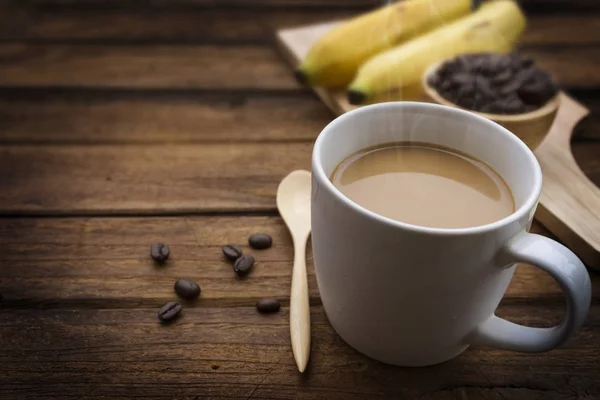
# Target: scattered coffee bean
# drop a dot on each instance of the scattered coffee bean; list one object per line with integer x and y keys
{"x": 169, "y": 312}
{"x": 494, "y": 83}
{"x": 260, "y": 241}
{"x": 232, "y": 252}
{"x": 187, "y": 289}
{"x": 159, "y": 252}
{"x": 243, "y": 265}
{"x": 268, "y": 305}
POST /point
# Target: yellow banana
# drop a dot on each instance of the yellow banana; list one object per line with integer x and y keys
{"x": 335, "y": 57}
{"x": 495, "y": 27}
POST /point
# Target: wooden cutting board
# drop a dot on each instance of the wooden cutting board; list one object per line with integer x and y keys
{"x": 570, "y": 203}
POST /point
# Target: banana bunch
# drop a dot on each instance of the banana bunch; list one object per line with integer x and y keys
{"x": 383, "y": 54}
{"x": 495, "y": 27}
{"x": 335, "y": 58}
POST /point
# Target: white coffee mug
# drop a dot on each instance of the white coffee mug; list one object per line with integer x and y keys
{"x": 414, "y": 296}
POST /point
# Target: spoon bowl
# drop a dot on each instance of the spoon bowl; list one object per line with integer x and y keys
{"x": 293, "y": 201}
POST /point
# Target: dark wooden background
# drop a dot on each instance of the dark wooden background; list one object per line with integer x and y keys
{"x": 127, "y": 122}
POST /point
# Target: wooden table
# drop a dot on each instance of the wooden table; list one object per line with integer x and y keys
{"x": 128, "y": 122}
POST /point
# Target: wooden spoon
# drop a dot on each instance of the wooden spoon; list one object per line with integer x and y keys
{"x": 293, "y": 202}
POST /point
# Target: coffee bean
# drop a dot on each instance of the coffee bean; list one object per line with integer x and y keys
{"x": 480, "y": 66}
{"x": 473, "y": 102}
{"x": 461, "y": 79}
{"x": 243, "y": 265}
{"x": 446, "y": 85}
{"x": 511, "y": 105}
{"x": 515, "y": 61}
{"x": 487, "y": 108}
{"x": 527, "y": 75}
{"x": 485, "y": 88}
{"x": 510, "y": 88}
{"x": 268, "y": 305}
{"x": 159, "y": 252}
{"x": 497, "y": 62}
{"x": 502, "y": 78}
{"x": 187, "y": 289}
{"x": 532, "y": 93}
{"x": 494, "y": 83}
{"x": 465, "y": 93}
{"x": 526, "y": 62}
{"x": 169, "y": 312}
{"x": 260, "y": 241}
{"x": 463, "y": 63}
{"x": 232, "y": 252}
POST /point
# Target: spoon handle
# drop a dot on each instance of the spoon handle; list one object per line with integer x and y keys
{"x": 299, "y": 307}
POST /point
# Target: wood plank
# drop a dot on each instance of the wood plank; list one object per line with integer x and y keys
{"x": 183, "y": 67}
{"x": 237, "y": 353}
{"x": 30, "y": 116}
{"x": 213, "y": 25}
{"x": 542, "y": 6}
{"x": 209, "y": 67}
{"x": 587, "y": 155}
{"x": 145, "y": 179}
{"x": 549, "y": 29}
{"x": 161, "y": 178}
{"x": 589, "y": 128}
{"x": 566, "y": 67}
{"x": 93, "y": 117}
{"x": 104, "y": 262}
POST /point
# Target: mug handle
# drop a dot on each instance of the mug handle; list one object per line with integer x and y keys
{"x": 567, "y": 270}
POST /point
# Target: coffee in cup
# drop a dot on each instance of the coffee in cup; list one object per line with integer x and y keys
{"x": 424, "y": 184}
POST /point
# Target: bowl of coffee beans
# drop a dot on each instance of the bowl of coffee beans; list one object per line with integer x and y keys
{"x": 507, "y": 88}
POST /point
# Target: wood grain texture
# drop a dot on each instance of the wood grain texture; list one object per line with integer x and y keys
{"x": 214, "y": 25}
{"x": 540, "y": 6}
{"x": 231, "y": 352}
{"x": 158, "y": 106}
{"x": 589, "y": 128}
{"x": 148, "y": 25}
{"x": 161, "y": 66}
{"x": 105, "y": 117}
{"x": 92, "y": 117}
{"x": 158, "y": 178}
{"x": 105, "y": 263}
{"x": 207, "y": 67}
{"x": 571, "y": 211}
{"x": 145, "y": 179}
{"x": 239, "y": 354}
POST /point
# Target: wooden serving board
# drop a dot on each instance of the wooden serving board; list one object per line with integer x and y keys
{"x": 570, "y": 203}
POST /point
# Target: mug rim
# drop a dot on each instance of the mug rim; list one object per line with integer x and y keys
{"x": 398, "y": 106}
